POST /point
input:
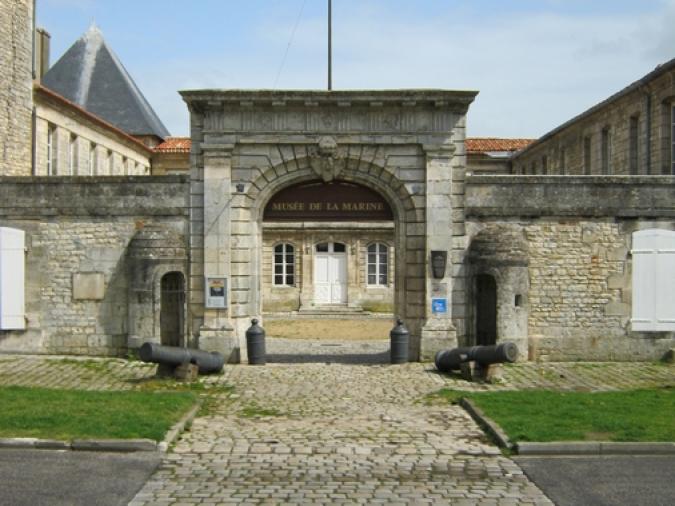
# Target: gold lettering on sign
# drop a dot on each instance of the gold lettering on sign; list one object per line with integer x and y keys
{"x": 315, "y": 206}
{"x": 362, "y": 206}
{"x": 288, "y": 206}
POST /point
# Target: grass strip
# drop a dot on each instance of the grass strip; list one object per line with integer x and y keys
{"x": 646, "y": 415}
{"x": 75, "y": 414}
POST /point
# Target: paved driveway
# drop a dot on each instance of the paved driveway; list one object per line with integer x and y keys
{"x": 311, "y": 433}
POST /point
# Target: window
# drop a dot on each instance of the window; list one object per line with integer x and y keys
{"x": 51, "y": 149}
{"x": 653, "y": 275}
{"x": 563, "y": 161}
{"x": 378, "y": 261}
{"x": 284, "y": 265}
{"x": 544, "y": 165}
{"x": 587, "y": 156}
{"x": 124, "y": 166}
{"x": 533, "y": 168}
{"x": 634, "y": 144}
{"x": 93, "y": 159}
{"x": 606, "y": 152}
{"x": 72, "y": 155}
{"x": 110, "y": 162}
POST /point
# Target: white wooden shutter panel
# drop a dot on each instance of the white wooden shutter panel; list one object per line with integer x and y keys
{"x": 653, "y": 307}
{"x": 12, "y": 271}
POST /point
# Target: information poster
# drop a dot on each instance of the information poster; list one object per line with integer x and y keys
{"x": 216, "y": 292}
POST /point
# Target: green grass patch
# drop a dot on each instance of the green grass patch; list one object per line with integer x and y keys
{"x": 543, "y": 415}
{"x": 74, "y": 414}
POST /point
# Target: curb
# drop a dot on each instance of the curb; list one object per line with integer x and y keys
{"x": 490, "y": 426}
{"x": 174, "y": 432}
{"x": 595, "y": 448}
{"x": 103, "y": 445}
{"x": 563, "y": 447}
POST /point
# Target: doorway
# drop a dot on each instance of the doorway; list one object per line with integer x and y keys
{"x": 486, "y": 310}
{"x": 172, "y": 312}
{"x": 330, "y": 273}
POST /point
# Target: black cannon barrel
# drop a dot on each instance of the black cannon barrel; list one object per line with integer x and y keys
{"x": 450, "y": 360}
{"x": 206, "y": 361}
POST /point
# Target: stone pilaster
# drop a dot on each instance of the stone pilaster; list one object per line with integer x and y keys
{"x": 438, "y": 331}
{"x": 217, "y": 326}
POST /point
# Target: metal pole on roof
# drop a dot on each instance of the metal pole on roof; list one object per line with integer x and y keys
{"x": 330, "y": 45}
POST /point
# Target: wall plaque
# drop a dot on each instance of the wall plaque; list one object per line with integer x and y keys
{"x": 333, "y": 201}
{"x": 439, "y": 306}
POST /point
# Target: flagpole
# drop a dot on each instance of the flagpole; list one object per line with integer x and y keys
{"x": 330, "y": 46}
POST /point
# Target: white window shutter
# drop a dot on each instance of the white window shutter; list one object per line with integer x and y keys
{"x": 12, "y": 272}
{"x": 653, "y": 280}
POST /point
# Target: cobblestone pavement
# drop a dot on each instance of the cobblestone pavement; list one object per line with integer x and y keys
{"x": 334, "y": 423}
{"x": 335, "y": 434}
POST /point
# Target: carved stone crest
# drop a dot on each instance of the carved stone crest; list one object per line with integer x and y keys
{"x": 326, "y": 159}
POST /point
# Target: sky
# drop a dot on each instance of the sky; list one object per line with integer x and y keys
{"x": 536, "y": 63}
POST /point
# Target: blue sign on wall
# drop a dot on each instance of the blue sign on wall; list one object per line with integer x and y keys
{"x": 439, "y": 306}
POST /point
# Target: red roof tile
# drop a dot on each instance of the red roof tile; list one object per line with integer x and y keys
{"x": 174, "y": 145}
{"x": 486, "y": 144}
{"x": 473, "y": 144}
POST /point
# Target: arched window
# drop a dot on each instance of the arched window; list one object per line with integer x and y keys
{"x": 284, "y": 265}
{"x": 378, "y": 262}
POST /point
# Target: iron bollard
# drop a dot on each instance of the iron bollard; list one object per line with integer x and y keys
{"x": 399, "y": 343}
{"x": 255, "y": 344}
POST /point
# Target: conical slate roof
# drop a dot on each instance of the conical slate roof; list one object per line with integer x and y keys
{"x": 90, "y": 75}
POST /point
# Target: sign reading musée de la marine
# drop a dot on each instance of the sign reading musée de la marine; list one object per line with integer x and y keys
{"x": 334, "y": 201}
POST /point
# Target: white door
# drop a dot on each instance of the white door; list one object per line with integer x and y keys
{"x": 330, "y": 273}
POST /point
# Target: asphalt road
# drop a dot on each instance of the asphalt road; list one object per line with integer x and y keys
{"x": 55, "y": 478}
{"x": 604, "y": 481}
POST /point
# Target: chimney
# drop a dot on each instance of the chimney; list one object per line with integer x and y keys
{"x": 42, "y": 39}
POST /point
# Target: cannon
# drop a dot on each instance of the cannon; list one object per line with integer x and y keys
{"x": 450, "y": 360}
{"x": 173, "y": 356}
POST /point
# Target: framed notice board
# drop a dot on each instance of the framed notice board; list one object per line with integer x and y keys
{"x": 216, "y": 292}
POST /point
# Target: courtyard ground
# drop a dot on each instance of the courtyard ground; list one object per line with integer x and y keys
{"x": 331, "y": 422}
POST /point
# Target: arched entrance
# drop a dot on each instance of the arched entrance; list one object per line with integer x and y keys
{"x": 172, "y": 309}
{"x": 327, "y": 244}
{"x": 486, "y": 309}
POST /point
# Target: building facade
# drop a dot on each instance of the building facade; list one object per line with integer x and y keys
{"x": 348, "y": 201}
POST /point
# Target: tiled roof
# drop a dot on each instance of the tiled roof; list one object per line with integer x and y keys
{"x": 174, "y": 145}
{"x": 473, "y": 145}
{"x": 488, "y": 144}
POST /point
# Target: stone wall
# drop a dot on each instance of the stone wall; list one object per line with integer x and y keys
{"x": 648, "y": 101}
{"x": 77, "y": 267}
{"x": 16, "y": 86}
{"x": 579, "y": 263}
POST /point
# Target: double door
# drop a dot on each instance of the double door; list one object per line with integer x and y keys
{"x": 330, "y": 273}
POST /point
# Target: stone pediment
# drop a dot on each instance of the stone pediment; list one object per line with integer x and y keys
{"x": 323, "y": 112}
